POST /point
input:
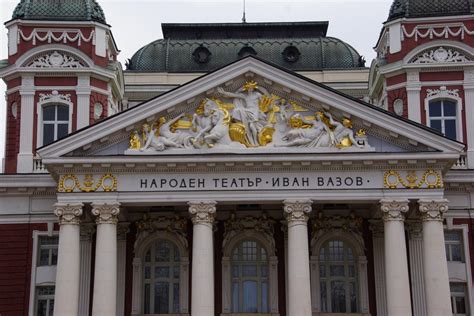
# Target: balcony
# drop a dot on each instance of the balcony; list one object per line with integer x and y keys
{"x": 38, "y": 166}
{"x": 461, "y": 164}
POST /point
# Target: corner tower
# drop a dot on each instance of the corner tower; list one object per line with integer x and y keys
{"x": 61, "y": 74}
{"x": 424, "y": 69}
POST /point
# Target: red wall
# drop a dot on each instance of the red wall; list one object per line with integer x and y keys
{"x": 16, "y": 242}
{"x": 12, "y": 145}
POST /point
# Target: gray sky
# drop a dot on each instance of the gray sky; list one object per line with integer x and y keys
{"x": 136, "y": 23}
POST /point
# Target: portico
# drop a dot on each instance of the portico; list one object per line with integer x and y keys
{"x": 220, "y": 226}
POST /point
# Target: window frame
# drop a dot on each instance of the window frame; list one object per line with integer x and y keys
{"x": 267, "y": 242}
{"x": 144, "y": 240}
{"x": 448, "y": 245}
{"x": 39, "y": 114}
{"x": 356, "y": 243}
{"x": 34, "y": 265}
{"x": 457, "y": 294}
{"x": 47, "y": 297}
{"x": 459, "y": 108}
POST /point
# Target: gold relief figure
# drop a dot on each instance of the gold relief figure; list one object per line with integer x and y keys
{"x": 135, "y": 142}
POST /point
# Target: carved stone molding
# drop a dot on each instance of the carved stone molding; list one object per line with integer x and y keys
{"x": 297, "y": 211}
{"x": 433, "y": 210}
{"x": 56, "y": 60}
{"x": 235, "y": 226}
{"x": 122, "y": 231}
{"x": 415, "y": 229}
{"x": 440, "y": 55}
{"x": 176, "y": 225}
{"x": 68, "y": 213}
{"x": 87, "y": 230}
{"x": 203, "y": 212}
{"x": 106, "y": 212}
{"x": 394, "y": 210}
{"x": 377, "y": 228}
{"x": 442, "y": 92}
{"x": 351, "y": 223}
{"x": 54, "y": 96}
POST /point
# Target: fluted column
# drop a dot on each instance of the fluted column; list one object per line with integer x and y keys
{"x": 202, "y": 279}
{"x": 66, "y": 299}
{"x": 85, "y": 283}
{"x": 122, "y": 231}
{"x": 435, "y": 266}
{"x": 415, "y": 253}
{"x": 379, "y": 267}
{"x": 396, "y": 264}
{"x": 299, "y": 282}
{"x": 104, "y": 301}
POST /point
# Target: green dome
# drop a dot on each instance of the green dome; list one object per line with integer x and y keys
{"x": 428, "y": 8}
{"x": 59, "y": 10}
{"x": 298, "y": 46}
{"x": 167, "y": 55}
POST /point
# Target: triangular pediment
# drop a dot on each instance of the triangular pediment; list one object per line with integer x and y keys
{"x": 251, "y": 107}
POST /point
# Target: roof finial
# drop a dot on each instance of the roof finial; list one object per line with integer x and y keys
{"x": 243, "y": 17}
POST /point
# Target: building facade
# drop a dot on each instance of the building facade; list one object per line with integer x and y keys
{"x": 238, "y": 169}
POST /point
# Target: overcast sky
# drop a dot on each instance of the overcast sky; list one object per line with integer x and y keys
{"x": 136, "y": 23}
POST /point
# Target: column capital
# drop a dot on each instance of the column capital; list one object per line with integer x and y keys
{"x": 106, "y": 212}
{"x": 87, "y": 230}
{"x": 433, "y": 210}
{"x": 415, "y": 229}
{"x": 68, "y": 213}
{"x": 202, "y": 212}
{"x": 297, "y": 210}
{"x": 394, "y": 210}
{"x": 377, "y": 228}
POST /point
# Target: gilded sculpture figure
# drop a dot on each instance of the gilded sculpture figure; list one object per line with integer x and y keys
{"x": 250, "y": 117}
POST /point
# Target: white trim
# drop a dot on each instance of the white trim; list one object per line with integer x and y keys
{"x": 34, "y": 260}
{"x": 446, "y": 94}
{"x": 436, "y": 44}
{"x": 39, "y": 114}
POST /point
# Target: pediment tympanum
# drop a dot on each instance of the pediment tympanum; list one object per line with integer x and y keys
{"x": 248, "y": 118}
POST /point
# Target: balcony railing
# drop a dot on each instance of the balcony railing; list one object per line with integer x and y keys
{"x": 38, "y": 166}
{"x": 461, "y": 163}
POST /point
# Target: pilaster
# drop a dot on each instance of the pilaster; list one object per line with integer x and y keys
{"x": 469, "y": 110}
{"x": 25, "y": 154}
{"x": 415, "y": 251}
{"x": 379, "y": 267}
{"x": 122, "y": 231}
{"x": 413, "y": 95}
{"x": 83, "y": 92}
{"x": 86, "y": 232}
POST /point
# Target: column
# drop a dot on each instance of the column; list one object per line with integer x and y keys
{"x": 85, "y": 282}
{"x": 396, "y": 264}
{"x": 415, "y": 249}
{"x": 202, "y": 279}
{"x": 379, "y": 267}
{"x": 27, "y": 112}
{"x": 299, "y": 289}
{"x": 435, "y": 266}
{"x": 413, "y": 95}
{"x": 83, "y": 92}
{"x": 469, "y": 110}
{"x": 66, "y": 298}
{"x": 104, "y": 300}
{"x": 122, "y": 231}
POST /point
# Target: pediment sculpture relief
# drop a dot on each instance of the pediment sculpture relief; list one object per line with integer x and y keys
{"x": 250, "y": 117}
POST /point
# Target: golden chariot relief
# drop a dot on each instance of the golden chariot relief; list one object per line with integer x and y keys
{"x": 250, "y": 117}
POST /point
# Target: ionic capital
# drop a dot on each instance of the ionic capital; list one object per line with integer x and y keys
{"x": 106, "y": 212}
{"x": 297, "y": 211}
{"x": 68, "y": 213}
{"x": 394, "y": 210}
{"x": 202, "y": 212}
{"x": 433, "y": 210}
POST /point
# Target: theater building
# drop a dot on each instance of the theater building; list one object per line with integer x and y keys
{"x": 238, "y": 169}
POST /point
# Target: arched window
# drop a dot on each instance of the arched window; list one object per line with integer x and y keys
{"x": 250, "y": 275}
{"x": 337, "y": 278}
{"x": 443, "y": 116}
{"x": 161, "y": 278}
{"x": 55, "y": 123}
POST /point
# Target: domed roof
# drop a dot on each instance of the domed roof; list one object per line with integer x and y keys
{"x": 427, "y": 8}
{"x": 290, "y": 46}
{"x": 59, "y": 10}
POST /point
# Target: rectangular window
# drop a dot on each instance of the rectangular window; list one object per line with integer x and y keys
{"x": 454, "y": 245}
{"x": 47, "y": 250}
{"x": 459, "y": 299}
{"x": 44, "y": 300}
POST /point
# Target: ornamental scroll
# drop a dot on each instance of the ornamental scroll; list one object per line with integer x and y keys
{"x": 88, "y": 183}
{"x": 429, "y": 179}
{"x": 250, "y": 117}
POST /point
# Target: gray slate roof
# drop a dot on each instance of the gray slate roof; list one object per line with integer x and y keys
{"x": 223, "y": 44}
{"x": 59, "y": 10}
{"x": 427, "y": 8}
